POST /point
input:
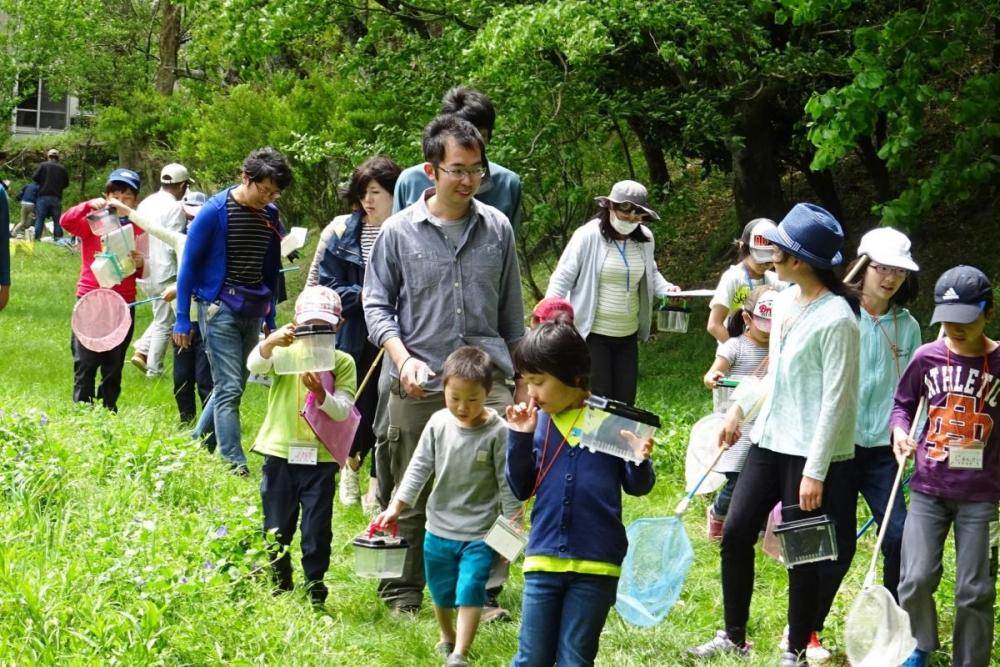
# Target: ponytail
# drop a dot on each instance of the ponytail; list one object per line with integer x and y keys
{"x": 735, "y": 324}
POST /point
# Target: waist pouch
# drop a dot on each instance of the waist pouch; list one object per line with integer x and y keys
{"x": 248, "y": 302}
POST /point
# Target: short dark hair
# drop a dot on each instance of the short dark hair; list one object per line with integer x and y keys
{"x": 469, "y": 363}
{"x": 555, "y": 347}
{"x": 265, "y": 163}
{"x": 380, "y": 169}
{"x": 114, "y": 187}
{"x": 906, "y": 292}
{"x": 446, "y": 126}
{"x": 470, "y": 105}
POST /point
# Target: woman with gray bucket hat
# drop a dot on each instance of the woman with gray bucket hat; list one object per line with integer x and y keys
{"x": 608, "y": 273}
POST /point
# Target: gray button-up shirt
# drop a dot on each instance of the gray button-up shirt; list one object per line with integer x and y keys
{"x": 436, "y": 298}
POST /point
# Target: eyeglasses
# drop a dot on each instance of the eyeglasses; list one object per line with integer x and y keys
{"x": 888, "y": 270}
{"x": 269, "y": 195}
{"x": 628, "y": 207}
{"x": 458, "y": 174}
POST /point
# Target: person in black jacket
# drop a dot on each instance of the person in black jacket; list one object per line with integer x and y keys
{"x": 52, "y": 179}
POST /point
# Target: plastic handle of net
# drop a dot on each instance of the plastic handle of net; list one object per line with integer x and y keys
{"x": 142, "y": 301}
{"x": 289, "y": 269}
{"x": 870, "y": 577}
{"x": 368, "y": 375}
{"x": 686, "y": 500}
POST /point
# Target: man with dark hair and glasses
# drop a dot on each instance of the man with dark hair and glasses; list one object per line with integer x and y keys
{"x": 231, "y": 269}
{"x": 500, "y": 187}
{"x": 442, "y": 274}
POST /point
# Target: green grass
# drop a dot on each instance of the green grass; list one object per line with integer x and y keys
{"x": 114, "y": 552}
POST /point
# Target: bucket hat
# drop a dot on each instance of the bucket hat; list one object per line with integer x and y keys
{"x": 810, "y": 233}
{"x": 629, "y": 192}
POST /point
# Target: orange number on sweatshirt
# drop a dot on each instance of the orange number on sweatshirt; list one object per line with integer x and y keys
{"x": 955, "y": 423}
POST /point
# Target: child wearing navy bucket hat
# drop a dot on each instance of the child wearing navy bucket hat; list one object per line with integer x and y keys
{"x": 802, "y": 442}
{"x": 956, "y": 482}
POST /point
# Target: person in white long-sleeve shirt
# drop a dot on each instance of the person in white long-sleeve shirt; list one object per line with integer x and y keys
{"x": 164, "y": 209}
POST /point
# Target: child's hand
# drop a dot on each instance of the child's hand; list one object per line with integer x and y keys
{"x": 122, "y": 210}
{"x": 138, "y": 259}
{"x": 97, "y": 203}
{"x": 522, "y": 417}
{"x": 902, "y": 444}
{"x": 386, "y": 520}
{"x": 643, "y": 447}
{"x": 282, "y": 337}
{"x": 712, "y": 378}
{"x": 314, "y": 384}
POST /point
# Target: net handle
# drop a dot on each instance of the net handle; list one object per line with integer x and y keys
{"x": 686, "y": 500}
{"x": 870, "y": 577}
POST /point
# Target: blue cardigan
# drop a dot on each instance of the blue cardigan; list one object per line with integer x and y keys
{"x": 578, "y": 511}
{"x": 202, "y": 268}
{"x": 342, "y": 269}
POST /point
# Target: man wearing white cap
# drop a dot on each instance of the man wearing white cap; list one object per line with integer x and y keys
{"x": 163, "y": 208}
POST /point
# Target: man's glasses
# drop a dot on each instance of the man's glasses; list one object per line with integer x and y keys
{"x": 884, "y": 270}
{"x": 458, "y": 174}
{"x": 269, "y": 195}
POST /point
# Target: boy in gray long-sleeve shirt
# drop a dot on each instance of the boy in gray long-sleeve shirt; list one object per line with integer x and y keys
{"x": 464, "y": 449}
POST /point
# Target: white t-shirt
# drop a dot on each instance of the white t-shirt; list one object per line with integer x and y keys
{"x": 736, "y": 284}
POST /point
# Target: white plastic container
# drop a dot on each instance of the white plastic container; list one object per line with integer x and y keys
{"x": 506, "y": 539}
{"x": 673, "y": 319}
{"x": 120, "y": 242}
{"x": 807, "y": 540}
{"x": 103, "y": 221}
{"x": 722, "y": 394}
{"x": 314, "y": 349}
{"x": 605, "y": 419}
{"x": 379, "y": 557}
{"x": 110, "y": 270}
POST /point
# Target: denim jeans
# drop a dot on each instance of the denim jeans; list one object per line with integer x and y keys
{"x": 875, "y": 470}
{"x": 562, "y": 616}
{"x": 229, "y": 339}
{"x": 48, "y": 207}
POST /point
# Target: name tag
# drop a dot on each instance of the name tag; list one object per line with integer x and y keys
{"x": 966, "y": 458}
{"x": 304, "y": 455}
{"x": 482, "y": 456}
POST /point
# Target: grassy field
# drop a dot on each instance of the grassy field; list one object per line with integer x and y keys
{"x": 123, "y": 543}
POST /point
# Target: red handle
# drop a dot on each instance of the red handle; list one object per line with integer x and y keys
{"x": 374, "y": 527}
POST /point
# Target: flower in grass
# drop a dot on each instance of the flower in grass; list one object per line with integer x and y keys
{"x": 183, "y": 580}
{"x": 43, "y": 419}
{"x": 221, "y": 532}
{"x": 207, "y": 565}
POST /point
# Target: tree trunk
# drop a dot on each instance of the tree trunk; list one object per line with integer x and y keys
{"x": 876, "y": 169}
{"x": 659, "y": 176}
{"x": 823, "y": 185}
{"x": 756, "y": 174}
{"x": 170, "y": 40}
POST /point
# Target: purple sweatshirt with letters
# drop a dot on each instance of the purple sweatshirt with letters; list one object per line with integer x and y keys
{"x": 962, "y": 395}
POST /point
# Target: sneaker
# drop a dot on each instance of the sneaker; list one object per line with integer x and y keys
{"x": 789, "y": 659}
{"x": 815, "y": 650}
{"x": 240, "y": 470}
{"x": 444, "y": 649}
{"x": 714, "y": 526}
{"x": 917, "y": 659}
{"x": 783, "y": 644}
{"x": 370, "y": 505}
{"x": 494, "y": 614}
{"x": 350, "y": 493}
{"x": 139, "y": 361}
{"x": 456, "y": 660}
{"x": 719, "y": 645}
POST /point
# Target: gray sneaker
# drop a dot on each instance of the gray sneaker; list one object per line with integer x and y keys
{"x": 789, "y": 659}
{"x": 456, "y": 660}
{"x": 444, "y": 649}
{"x": 720, "y": 644}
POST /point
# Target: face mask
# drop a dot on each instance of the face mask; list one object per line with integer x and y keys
{"x": 622, "y": 227}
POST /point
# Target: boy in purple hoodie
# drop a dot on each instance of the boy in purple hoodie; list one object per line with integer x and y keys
{"x": 957, "y": 477}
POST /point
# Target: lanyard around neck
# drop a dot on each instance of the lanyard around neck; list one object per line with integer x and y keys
{"x": 628, "y": 273}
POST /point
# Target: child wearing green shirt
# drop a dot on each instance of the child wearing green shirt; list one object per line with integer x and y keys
{"x": 298, "y": 471}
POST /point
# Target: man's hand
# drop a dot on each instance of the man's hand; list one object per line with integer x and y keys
{"x": 169, "y": 294}
{"x": 412, "y": 376}
{"x": 182, "y": 341}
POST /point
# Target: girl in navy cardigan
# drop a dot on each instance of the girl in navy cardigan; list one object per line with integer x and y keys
{"x": 577, "y": 540}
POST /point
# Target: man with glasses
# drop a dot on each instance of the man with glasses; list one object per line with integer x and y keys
{"x": 443, "y": 273}
{"x": 231, "y": 268}
{"x": 500, "y": 187}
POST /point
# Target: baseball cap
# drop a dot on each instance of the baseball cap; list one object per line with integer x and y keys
{"x": 755, "y": 240}
{"x": 961, "y": 294}
{"x": 317, "y": 302}
{"x": 174, "y": 173}
{"x": 126, "y": 176}
{"x": 193, "y": 202}
{"x": 53, "y": 152}
{"x": 885, "y": 245}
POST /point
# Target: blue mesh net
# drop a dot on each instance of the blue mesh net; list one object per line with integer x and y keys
{"x": 659, "y": 556}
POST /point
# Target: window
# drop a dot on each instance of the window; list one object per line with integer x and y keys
{"x": 37, "y": 111}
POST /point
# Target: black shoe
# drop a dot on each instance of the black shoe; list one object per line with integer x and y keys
{"x": 240, "y": 470}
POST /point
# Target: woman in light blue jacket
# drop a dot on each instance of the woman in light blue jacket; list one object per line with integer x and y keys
{"x": 609, "y": 275}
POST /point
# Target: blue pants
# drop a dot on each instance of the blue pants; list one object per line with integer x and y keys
{"x": 456, "y": 571}
{"x": 229, "y": 339}
{"x": 48, "y": 207}
{"x": 562, "y": 616}
{"x": 875, "y": 470}
{"x": 284, "y": 488}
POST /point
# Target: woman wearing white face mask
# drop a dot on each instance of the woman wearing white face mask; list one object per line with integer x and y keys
{"x": 608, "y": 273}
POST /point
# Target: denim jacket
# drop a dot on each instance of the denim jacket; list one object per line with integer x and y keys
{"x": 342, "y": 269}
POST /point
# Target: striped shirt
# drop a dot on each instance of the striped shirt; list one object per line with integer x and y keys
{"x": 368, "y": 234}
{"x": 246, "y": 243}
{"x": 618, "y": 290}
{"x": 746, "y": 360}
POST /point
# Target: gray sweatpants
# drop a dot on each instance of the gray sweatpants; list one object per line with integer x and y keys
{"x": 927, "y": 525}
{"x": 407, "y": 418}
